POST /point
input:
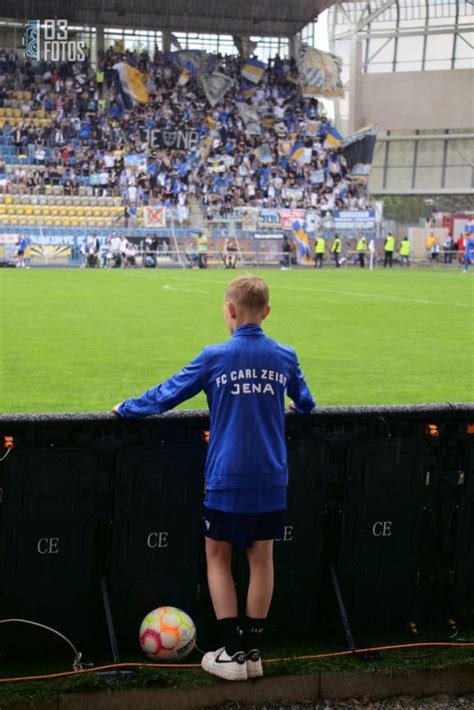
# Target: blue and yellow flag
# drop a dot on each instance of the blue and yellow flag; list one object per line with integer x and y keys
{"x": 358, "y": 149}
{"x": 319, "y": 73}
{"x": 253, "y": 70}
{"x": 194, "y": 60}
{"x": 248, "y": 90}
{"x": 297, "y": 152}
{"x": 301, "y": 239}
{"x": 184, "y": 77}
{"x": 131, "y": 81}
{"x": 333, "y": 139}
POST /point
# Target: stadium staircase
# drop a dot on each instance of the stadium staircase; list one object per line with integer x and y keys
{"x": 197, "y": 220}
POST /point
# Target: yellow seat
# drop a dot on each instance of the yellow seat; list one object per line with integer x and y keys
{"x": 17, "y": 112}
{"x": 74, "y": 222}
{"x": 8, "y": 199}
{"x": 8, "y": 112}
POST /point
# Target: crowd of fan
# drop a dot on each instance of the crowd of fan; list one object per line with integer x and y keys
{"x": 91, "y": 131}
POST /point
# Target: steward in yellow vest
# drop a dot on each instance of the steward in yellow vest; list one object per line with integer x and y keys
{"x": 336, "y": 249}
{"x": 361, "y": 249}
{"x": 389, "y": 247}
{"x": 319, "y": 252}
{"x": 405, "y": 252}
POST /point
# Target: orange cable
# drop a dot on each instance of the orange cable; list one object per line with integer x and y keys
{"x": 448, "y": 644}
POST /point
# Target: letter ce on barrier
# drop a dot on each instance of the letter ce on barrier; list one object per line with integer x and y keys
{"x": 382, "y": 528}
{"x": 287, "y": 534}
{"x": 157, "y": 539}
{"x": 48, "y": 545}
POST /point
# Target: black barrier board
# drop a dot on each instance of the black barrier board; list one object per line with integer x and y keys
{"x": 156, "y": 538}
{"x": 49, "y": 544}
{"x": 464, "y": 552}
{"x": 386, "y": 499}
{"x": 297, "y": 555}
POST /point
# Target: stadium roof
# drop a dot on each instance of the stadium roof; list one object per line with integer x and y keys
{"x": 251, "y": 17}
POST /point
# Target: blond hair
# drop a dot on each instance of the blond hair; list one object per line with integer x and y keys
{"x": 249, "y": 293}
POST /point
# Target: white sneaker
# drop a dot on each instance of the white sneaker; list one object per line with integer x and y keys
{"x": 221, "y": 664}
{"x": 254, "y": 663}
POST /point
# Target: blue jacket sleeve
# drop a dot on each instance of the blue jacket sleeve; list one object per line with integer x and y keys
{"x": 299, "y": 391}
{"x": 179, "y": 387}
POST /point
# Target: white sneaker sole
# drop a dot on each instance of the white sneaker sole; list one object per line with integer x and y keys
{"x": 223, "y": 670}
{"x": 254, "y": 669}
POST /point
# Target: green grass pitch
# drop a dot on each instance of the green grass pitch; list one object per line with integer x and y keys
{"x": 83, "y": 340}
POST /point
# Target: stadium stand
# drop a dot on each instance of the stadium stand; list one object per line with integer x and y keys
{"x": 64, "y": 144}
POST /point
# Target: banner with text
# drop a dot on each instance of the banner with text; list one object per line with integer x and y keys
{"x": 174, "y": 139}
{"x": 354, "y": 219}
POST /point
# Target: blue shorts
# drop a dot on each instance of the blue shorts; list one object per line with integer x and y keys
{"x": 242, "y": 529}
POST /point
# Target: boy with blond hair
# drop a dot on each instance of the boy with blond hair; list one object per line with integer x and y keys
{"x": 245, "y": 380}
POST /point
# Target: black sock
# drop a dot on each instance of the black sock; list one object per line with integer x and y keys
{"x": 253, "y": 633}
{"x": 229, "y": 633}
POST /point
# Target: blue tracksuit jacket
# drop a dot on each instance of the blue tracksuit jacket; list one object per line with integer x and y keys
{"x": 245, "y": 380}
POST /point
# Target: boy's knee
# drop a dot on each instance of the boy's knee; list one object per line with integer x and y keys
{"x": 218, "y": 550}
{"x": 261, "y": 552}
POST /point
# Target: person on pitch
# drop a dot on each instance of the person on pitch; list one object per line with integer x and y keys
{"x": 389, "y": 248}
{"x": 361, "y": 249}
{"x": 245, "y": 379}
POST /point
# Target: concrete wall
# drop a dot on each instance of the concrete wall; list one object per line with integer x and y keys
{"x": 417, "y": 237}
{"x": 411, "y": 100}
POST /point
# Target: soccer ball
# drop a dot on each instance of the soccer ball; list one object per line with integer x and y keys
{"x": 167, "y": 634}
